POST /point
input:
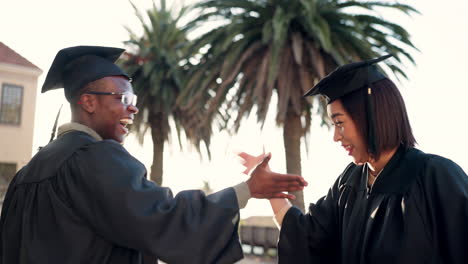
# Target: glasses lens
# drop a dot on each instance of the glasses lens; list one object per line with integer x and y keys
{"x": 129, "y": 99}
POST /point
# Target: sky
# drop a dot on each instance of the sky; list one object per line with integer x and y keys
{"x": 435, "y": 92}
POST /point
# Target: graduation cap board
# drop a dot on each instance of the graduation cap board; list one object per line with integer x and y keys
{"x": 349, "y": 78}
{"x": 75, "y": 67}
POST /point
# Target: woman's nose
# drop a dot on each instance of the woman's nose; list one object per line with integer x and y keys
{"x": 336, "y": 134}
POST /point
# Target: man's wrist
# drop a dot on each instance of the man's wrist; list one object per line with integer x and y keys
{"x": 243, "y": 194}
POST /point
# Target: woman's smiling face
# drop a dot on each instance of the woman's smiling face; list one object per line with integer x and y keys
{"x": 346, "y": 132}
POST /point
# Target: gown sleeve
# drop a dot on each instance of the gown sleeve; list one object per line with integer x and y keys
{"x": 312, "y": 237}
{"x": 108, "y": 189}
{"x": 446, "y": 188}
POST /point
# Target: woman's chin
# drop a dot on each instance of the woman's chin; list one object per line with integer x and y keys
{"x": 358, "y": 161}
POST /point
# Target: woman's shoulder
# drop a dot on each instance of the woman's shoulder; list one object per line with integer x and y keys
{"x": 441, "y": 172}
{"x": 438, "y": 163}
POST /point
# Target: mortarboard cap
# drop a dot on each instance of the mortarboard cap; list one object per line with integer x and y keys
{"x": 75, "y": 67}
{"x": 348, "y": 78}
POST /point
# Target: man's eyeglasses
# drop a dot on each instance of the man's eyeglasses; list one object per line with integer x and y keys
{"x": 128, "y": 98}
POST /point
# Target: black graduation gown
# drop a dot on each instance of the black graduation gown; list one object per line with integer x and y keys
{"x": 416, "y": 212}
{"x": 85, "y": 201}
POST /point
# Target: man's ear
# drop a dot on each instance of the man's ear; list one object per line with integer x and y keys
{"x": 87, "y": 102}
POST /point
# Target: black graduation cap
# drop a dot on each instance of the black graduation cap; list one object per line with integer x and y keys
{"x": 74, "y": 67}
{"x": 349, "y": 78}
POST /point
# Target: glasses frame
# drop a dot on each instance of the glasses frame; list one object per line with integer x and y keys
{"x": 124, "y": 95}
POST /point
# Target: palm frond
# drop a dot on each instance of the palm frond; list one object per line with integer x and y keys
{"x": 299, "y": 42}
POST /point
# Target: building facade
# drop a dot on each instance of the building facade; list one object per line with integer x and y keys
{"x": 18, "y": 91}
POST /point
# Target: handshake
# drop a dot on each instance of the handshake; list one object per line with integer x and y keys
{"x": 264, "y": 183}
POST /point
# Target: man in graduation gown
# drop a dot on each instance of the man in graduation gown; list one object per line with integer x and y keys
{"x": 410, "y": 208}
{"x": 84, "y": 199}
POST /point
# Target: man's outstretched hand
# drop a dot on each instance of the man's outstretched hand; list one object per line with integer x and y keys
{"x": 263, "y": 183}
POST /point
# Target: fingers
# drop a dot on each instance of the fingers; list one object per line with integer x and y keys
{"x": 278, "y": 195}
{"x": 276, "y": 182}
{"x": 244, "y": 155}
{"x": 265, "y": 160}
{"x": 250, "y": 161}
{"x": 279, "y": 178}
{"x": 286, "y": 187}
{"x": 284, "y": 195}
{"x": 281, "y": 187}
{"x": 286, "y": 184}
{"x": 247, "y": 156}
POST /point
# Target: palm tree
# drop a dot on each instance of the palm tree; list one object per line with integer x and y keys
{"x": 157, "y": 63}
{"x": 262, "y": 46}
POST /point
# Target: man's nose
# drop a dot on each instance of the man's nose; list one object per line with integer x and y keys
{"x": 132, "y": 108}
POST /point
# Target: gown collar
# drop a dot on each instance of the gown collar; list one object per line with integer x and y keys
{"x": 399, "y": 172}
{"x": 73, "y": 126}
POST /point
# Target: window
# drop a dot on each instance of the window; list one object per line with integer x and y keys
{"x": 11, "y": 104}
{"x": 7, "y": 171}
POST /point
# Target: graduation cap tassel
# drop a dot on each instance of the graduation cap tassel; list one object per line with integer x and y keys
{"x": 53, "y": 129}
{"x": 52, "y": 136}
{"x": 371, "y": 137}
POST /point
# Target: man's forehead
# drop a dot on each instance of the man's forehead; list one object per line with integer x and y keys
{"x": 117, "y": 84}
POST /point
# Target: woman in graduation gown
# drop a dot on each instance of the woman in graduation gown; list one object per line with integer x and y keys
{"x": 393, "y": 203}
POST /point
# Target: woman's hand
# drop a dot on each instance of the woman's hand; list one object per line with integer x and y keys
{"x": 250, "y": 161}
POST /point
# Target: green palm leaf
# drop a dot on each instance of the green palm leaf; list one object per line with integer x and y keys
{"x": 158, "y": 64}
{"x": 262, "y": 47}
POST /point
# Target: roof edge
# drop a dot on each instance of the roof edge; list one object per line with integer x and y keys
{"x": 15, "y": 68}
{"x": 14, "y": 57}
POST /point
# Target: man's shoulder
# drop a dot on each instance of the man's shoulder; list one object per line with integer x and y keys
{"x": 107, "y": 149}
{"x": 64, "y": 146}
{"x": 105, "y": 153}
{"x": 45, "y": 163}
{"x": 77, "y": 140}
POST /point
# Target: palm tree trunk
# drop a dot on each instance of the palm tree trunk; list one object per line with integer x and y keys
{"x": 292, "y": 145}
{"x": 157, "y": 133}
{"x": 156, "y": 175}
